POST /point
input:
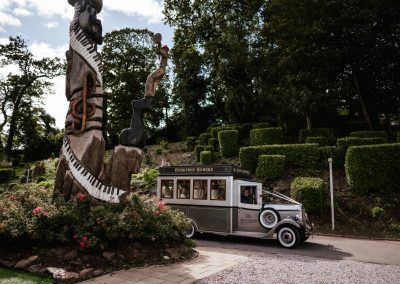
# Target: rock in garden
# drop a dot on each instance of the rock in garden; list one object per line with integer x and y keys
{"x": 71, "y": 255}
{"x": 98, "y": 272}
{"x": 166, "y": 257}
{"x": 66, "y": 277}
{"x": 174, "y": 253}
{"x": 37, "y": 268}
{"x": 86, "y": 273}
{"x": 109, "y": 255}
{"x": 54, "y": 270}
{"x": 22, "y": 264}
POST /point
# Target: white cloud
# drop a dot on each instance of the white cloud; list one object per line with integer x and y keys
{"x": 56, "y": 104}
{"x": 149, "y": 9}
{"x": 51, "y": 25}
{"x": 7, "y": 20}
{"x": 22, "y": 12}
{"x": 2, "y": 30}
{"x": 42, "y": 49}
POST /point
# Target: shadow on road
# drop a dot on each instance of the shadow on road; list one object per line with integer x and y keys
{"x": 271, "y": 246}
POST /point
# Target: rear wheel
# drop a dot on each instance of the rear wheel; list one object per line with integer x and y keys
{"x": 191, "y": 231}
{"x": 288, "y": 237}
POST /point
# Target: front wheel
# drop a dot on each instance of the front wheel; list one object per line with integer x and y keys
{"x": 191, "y": 231}
{"x": 288, "y": 237}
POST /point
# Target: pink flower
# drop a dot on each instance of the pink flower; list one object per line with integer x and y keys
{"x": 39, "y": 210}
{"x": 161, "y": 205}
{"x": 81, "y": 196}
{"x": 82, "y": 244}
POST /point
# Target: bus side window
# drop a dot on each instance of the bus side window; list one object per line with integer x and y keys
{"x": 183, "y": 189}
{"x": 167, "y": 188}
{"x": 218, "y": 189}
{"x": 200, "y": 189}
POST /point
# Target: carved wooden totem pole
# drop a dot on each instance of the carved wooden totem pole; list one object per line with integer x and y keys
{"x": 81, "y": 167}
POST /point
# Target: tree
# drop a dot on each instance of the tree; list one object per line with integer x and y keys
{"x": 128, "y": 58}
{"x": 19, "y": 92}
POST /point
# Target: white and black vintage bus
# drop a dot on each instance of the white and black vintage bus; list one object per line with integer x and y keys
{"x": 222, "y": 199}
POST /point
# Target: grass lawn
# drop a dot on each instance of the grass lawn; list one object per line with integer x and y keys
{"x": 12, "y": 276}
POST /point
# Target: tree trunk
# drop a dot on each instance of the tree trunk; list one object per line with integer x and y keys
{"x": 362, "y": 101}
{"x": 308, "y": 118}
{"x": 13, "y": 127}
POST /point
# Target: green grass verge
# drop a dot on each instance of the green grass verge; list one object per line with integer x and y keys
{"x": 12, "y": 276}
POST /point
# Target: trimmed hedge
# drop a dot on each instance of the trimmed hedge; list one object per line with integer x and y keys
{"x": 238, "y": 127}
{"x": 260, "y": 125}
{"x": 297, "y": 155}
{"x": 369, "y": 134}
{"x": 190, "y": 143}
{"x": 344, "y": 144}
{"x": 317, "y": 132}
{"x": 310, "y": 192}
{"x": 266, "y": 136}
{"x": 198, "y": 149}
{"x": 205, "y": 157}
{"x": 373, "y": 168}
{"x": 204, "y": 138}
{"x": 6, "y": 175}
{"x": 270, "y": 167}
{"x": 321, "y": 141}
{"x": 214, "y": 143}
{"x": 228, "y": 143}
{"x": 209, "y": 148}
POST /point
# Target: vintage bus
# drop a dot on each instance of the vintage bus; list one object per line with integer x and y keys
{"x": 222, "y": 199}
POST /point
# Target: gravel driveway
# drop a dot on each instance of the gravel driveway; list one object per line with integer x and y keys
{"x": 303, "y": 269}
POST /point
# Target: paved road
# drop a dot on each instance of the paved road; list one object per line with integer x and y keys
{"x": 371, "y": 251}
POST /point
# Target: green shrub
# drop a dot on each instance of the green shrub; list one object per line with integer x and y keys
{"x": 369, "y": 134}
{"x": 158, "y": 151}
{"x": 373, "y": 168}
{"x": 344, "y": 144}
{"x": 317, "y": 132}
{"x": 198, "y": 149}
{"x": 190, "y": 143}
{"x": 228, "y": 143}
{"x": 270, "y": 167}
{"x": 209, "y": 148}
{"x": 216, "y": 130}
{"x": 205, "y": 157}
{"x": 260, "y": 125}
{"x": 266, "y": 136}
{"x": 297, "y": 155}
{"x": 164, "y": 144}
{"x": 321, "y": 141}
{"x": 145, "y": 180}
{"x": 310, "y": 192}
{"x": 204, "y": 138}
{"x": 214, "y": 143}
{"x": 6, "y": 175}
{"x": 377, "y": 212}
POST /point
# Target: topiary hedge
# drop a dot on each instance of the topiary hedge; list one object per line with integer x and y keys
{"x": 214, "y": 143}
{"x": 205, "y": 157}
{"x": 228, "y": 143}
{"x": 369, "y": 134}
{"x": 209, "y": 148}
{"x": 344, "y": 144}
{"x": 238, "y": 127}
{"x": 198, "y": 149}
{"x": 266, "y": 136}
{"x": 204, "y": 138}
{"x": 317, "y": 132}
{"x": 270, "y": 167}
{"x": 297, "y": 155}
{"x": 310, "y": 192}
{"x": 190, "y": 143}
{"x": 260, "y": 125}
{"x": 6, "y": 175}
{"x": 373, "y": 168}
{"x": 322, "y": 141}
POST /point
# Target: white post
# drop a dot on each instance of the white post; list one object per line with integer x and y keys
{"x": 330, "y": 160}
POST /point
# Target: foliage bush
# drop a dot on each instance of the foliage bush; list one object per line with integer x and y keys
{"x": 209, "y": 148}
{"x": 310, "y": 192}
{"x": 228, "y": 143}
{"x": 216, "y": 130}
{"x": 204, "y": 138}
{"x": 369, "y": 134}
{"x": 377, "y": 212}
{"x": 214, "y": 143}
{"x": 297, "y": 155}
{"x": 205, "y": 157}
{"x": 145, "y": 180}
{"x": 260, "y": 125}
{"x": 266, "y": 136}
{"x": 270, "y": 167}
{"x": 190, "y": 143}
{"x": 6, "y": 175}
{"x": 317, "y": 132}
{"x": 198, "y": 149}
{"x": 344, "y": 144}
{"x": 164, "y": 144}
{"x": 321, "y": 141}
{"x": 26, "y": 213}
{"x": 158, "y": 151}
{"x": 373, "y": 168}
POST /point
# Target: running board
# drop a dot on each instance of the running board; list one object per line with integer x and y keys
{"x": 250, "y": 234}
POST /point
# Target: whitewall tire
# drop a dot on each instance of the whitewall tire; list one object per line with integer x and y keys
{"x": 192, "y": 230}
{"x": 268, "y": 218}
{"x": 288, "y": 237}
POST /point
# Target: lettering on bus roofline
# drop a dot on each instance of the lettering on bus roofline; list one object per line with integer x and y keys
{"x": 213, "y": 170}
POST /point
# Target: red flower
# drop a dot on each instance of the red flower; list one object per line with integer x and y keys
{"x": 161, "y": 205}
{"x": 81, "y": 196}
{"x": 39, "y": 210}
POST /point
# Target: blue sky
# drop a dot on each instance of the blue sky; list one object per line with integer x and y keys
{"x": 45, "y": 24}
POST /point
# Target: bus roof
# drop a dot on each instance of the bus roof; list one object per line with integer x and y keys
{"x": 212, "y": 170}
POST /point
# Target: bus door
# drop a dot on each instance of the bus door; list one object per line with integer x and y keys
{"x": 249, "y": 204}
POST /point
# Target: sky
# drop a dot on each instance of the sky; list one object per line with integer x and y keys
{"x": 45, "y": 25}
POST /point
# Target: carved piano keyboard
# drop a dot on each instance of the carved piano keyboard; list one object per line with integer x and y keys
{"x": 92, "y": 184}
